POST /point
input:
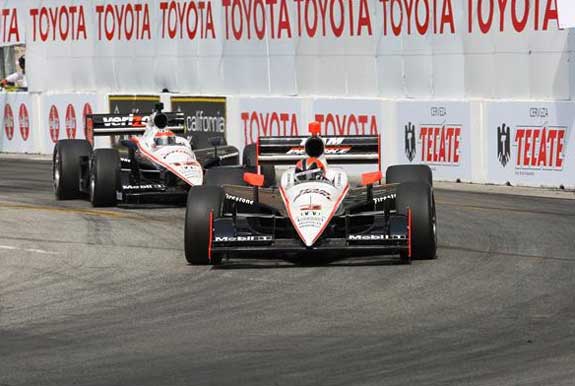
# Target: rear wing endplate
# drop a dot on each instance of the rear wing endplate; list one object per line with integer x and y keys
{"x": 120, "y": 124}
{"x": 348, "y": 150}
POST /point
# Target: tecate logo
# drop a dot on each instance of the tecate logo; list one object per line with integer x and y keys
{"x": 8, "y": 122}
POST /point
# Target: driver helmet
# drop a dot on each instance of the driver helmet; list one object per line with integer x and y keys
{"x": 165, "y": 137}
{"x": 310, "y": 169}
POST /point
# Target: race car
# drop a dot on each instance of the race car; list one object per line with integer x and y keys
{"x": 314, "y": 210}
{"x": 155, "y": 163}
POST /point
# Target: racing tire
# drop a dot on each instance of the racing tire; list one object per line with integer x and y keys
{"x": 104, "y": 177}
{"x": 418, "y": 196}
{"x": 397, "y": 174}
{"x": 249, "y": 160}
{"x": 224, "y": 175}
{"x": 67, "y": 168}
{"x": 205, "y": 203}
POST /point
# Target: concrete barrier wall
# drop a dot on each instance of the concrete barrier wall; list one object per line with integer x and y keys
{"x": 524, "y": 143}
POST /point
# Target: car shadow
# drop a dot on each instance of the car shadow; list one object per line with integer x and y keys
{"x": 307, "y": 262}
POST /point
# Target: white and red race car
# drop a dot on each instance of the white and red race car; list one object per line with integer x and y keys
{"x": 150, "y": 163}
{"x": 314, "y": 210}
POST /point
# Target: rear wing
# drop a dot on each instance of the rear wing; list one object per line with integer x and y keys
{"x": 120, "y": 124}
{"x": 348, "y": 150}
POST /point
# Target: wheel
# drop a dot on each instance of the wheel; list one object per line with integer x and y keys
{"x": 104, "y": 177}
{"x": 249, "y": 160}
{"x": 205, "y": 203}
{"x": 66, "y": 167}
{"x": 418, "y": 196}
{"x": 404, "y": 173}
{"x": 224, "y": 175}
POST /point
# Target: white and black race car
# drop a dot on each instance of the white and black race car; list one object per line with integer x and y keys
{"x": 150, "y": 163}
{"x": 314, "y": 210}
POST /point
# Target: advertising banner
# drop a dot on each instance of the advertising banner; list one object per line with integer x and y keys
{"x": 391, "y": 48}
{"x": 13, "y": 17}
{"x": 16, "y": 122}
{"x": 63, "y": 117}
{"x": 267, "y": 117}
{"x": 530, "y": 143}
{"x": 436, "y": 134}
{"x": 205, "y": 117}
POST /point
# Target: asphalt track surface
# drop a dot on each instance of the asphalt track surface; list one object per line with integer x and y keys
{"x": 104, "y": 297}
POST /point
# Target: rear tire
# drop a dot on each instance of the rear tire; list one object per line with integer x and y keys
{"x": 397, "y": 174}
{"x": 67, "y": 168}
{"x": 104, "y": 177}
{"x": 418, "y": 196}
{"x": 205, "y": 203}
{"x": 249, "y": 159}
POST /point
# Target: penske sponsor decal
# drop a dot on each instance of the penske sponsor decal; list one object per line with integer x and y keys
{"x": 242, "y": 239}
{"x": 144, "y": 187}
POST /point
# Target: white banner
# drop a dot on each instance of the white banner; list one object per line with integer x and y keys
{"x": 255, "y": 117}
{"x": 566, "y": 10}
{"x": 436, "y": 134}
{"x": 17, "y": 117}
{"x": 390, "y": 48}
{"x": 530, "y": 143}
{"x": 63, "y": 117}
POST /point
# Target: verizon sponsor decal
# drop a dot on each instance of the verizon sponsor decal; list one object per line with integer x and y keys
{"x": 530, "y": 143}
{"x": 129, "y": 120}
{"x": 438, "y": 135}
{"x": 24, "y": 120}
{"x": 8, "y": 122}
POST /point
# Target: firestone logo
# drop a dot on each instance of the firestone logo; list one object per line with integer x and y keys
{"x": 8, "y": 122}
{"x": 54, "y": 123}
{"x": 70, "y": 122}
{"x": 24, "y": 119}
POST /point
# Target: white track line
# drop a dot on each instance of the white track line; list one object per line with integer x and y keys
{"x": 12, "y": 248}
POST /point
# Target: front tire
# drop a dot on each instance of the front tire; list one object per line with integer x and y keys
{"x": 67, "y": 168}
{"x": 418, "y": 196}
{"x": 104, "y": 177}
{"x": 205, "y": 204}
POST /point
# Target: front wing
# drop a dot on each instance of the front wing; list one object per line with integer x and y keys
{"x": 235, "y": 236}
